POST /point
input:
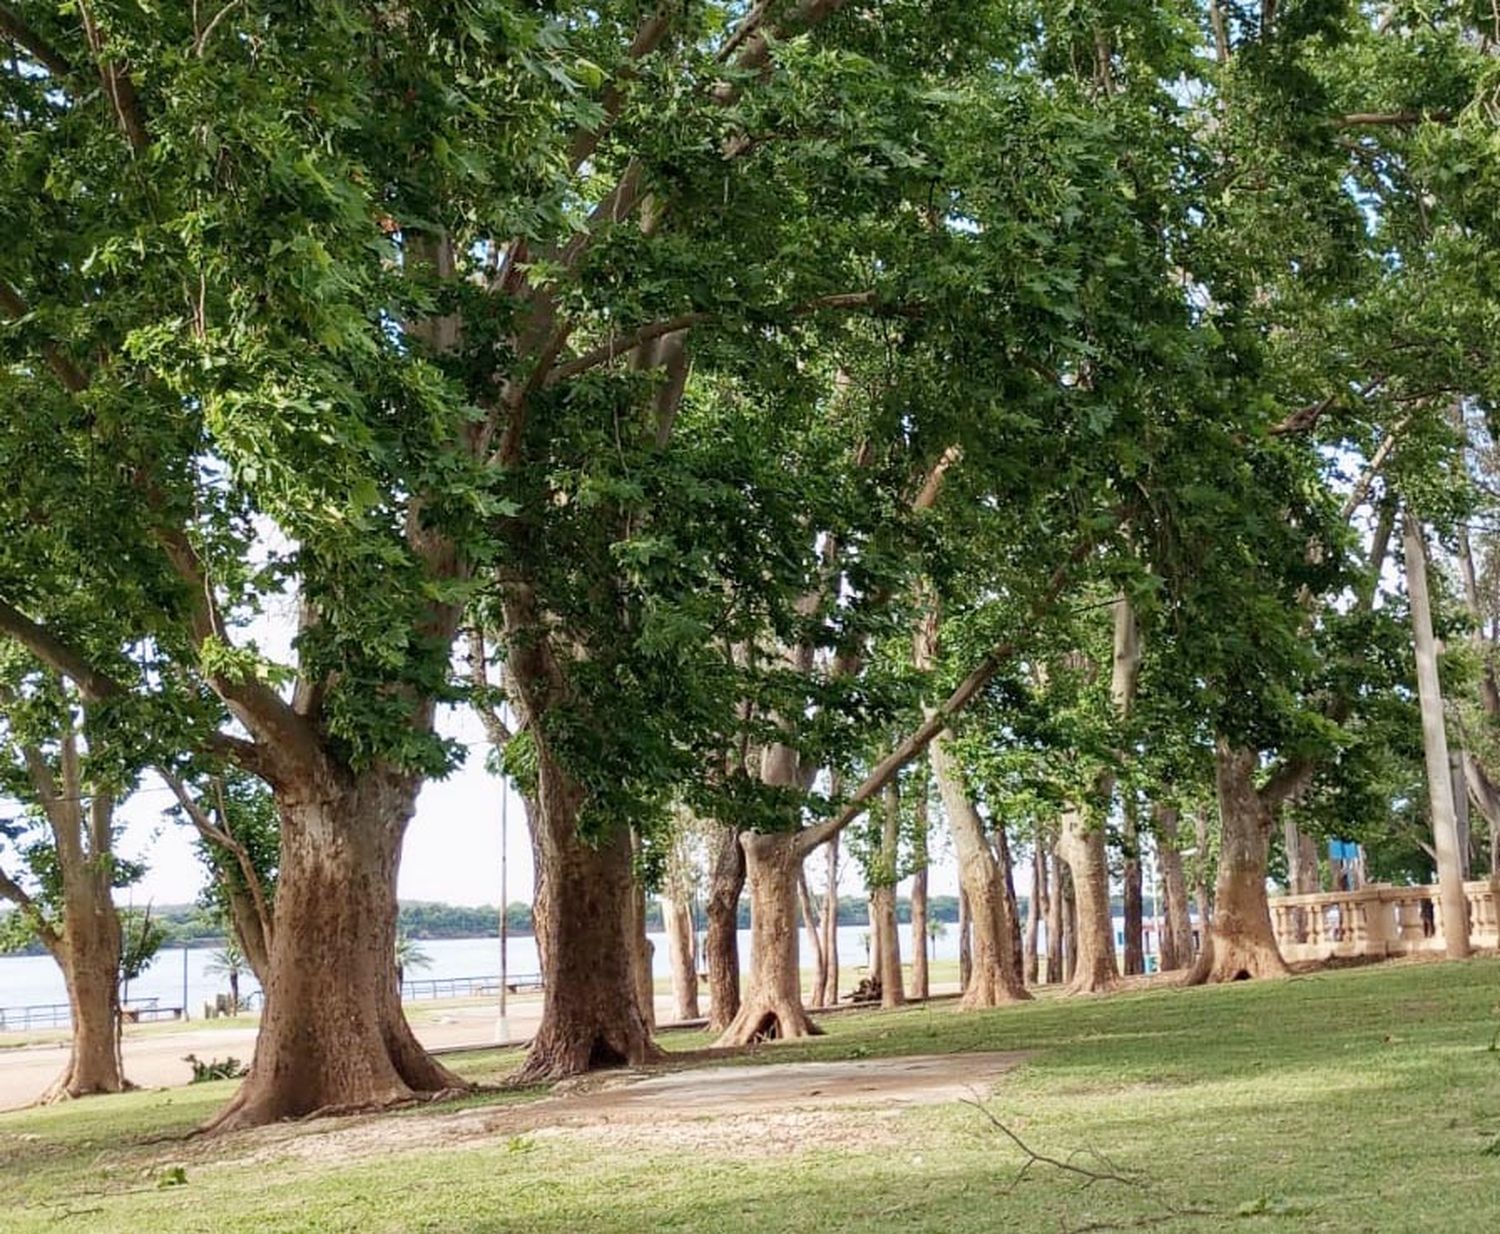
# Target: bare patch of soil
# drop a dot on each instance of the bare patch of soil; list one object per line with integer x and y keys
{"x": 745, "y": 1111}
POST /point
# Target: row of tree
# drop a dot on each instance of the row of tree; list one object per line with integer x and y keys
{"x": 764, "y": 415}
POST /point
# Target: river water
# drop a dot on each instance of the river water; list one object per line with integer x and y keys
{"x": 34, "y": 980}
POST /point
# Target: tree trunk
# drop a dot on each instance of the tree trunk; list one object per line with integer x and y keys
{"x": 726, "y": 882}
{"x": 1012, "y": 905}
{"x": 1177, "y": 931}
{"x": 1302, "y": 871}
{"x": 1082, "y": 847}
{"x": 993, "y": 977}
{"x": 1455, "y": 905}
{"x": 1055, "y": 911}
{"x": 677, "y": 917}
{"x": 1241, "y": 944}
{"x": 830, "y": 993}
{"x": 1035, "y": 905}
{"x": 1200, "y": 882}
{"x": 814, "y": 933}
{"x": 250, "y": 933}
{"x": 920, "y": 981}
{"x": 89, "y": 955}
{"x": 1069, "y": 927}
{"x": 965, "y": 950}
{"x": 333, "y": 1035}
{"x": 591, "y": 1001}
{"x": 772, "y": 1004}
{"x": 642, "y": 951}
{"x": 883, "y": 904}
{"x": 1134, "y": 905}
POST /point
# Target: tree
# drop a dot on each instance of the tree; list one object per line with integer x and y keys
{"x": 62, "y": 868}
{"x": 230, "y": 962}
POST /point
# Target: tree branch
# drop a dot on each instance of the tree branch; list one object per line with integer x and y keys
{"x": 117, "y": 84}
{"x": 622, "y": 343}
{"x": 57, "y": 654}
{"x": 17, "y": 895}
{"x": 40, "y": 50}
{"x": 647, "y": 39}
{"x": 495, "y": 727}
{"x": 1391, "y": 119}
{"x": 938, "y": 718}
{"x": 68, "y": 373}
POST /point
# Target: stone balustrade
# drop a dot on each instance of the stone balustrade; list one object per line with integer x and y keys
{"x": 1379, "y": 920}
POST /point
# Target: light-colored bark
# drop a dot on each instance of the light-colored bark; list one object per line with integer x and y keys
{"x": 682, "y": 945}
{"x": 830, "y": 992}
{"x": 771, "y": 1007}
{"x": 1454, "y": 904}
{"x": 1036, "y": 905}
{"x": 1081, "y": 845}
{"x": 1241, "y": 943}
{"x": 1056, "y": 968}
{"x": 812, "y": 927}
{"x": 992, "y": 976}
{"x": 887, "y": 963}
{"x": 1177, "y": 928}
{"x": 726, "y": 883}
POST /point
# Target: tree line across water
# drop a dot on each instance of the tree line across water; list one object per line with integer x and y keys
{"x": 797, "y": 431}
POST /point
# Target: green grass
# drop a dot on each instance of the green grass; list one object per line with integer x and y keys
{"x": 1362, "y": 1100}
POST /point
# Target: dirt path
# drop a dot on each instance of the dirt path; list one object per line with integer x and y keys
{"x": 751, "y": 1110}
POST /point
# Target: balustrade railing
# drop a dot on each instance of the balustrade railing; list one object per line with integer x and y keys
{"x": 1379, "y": 920}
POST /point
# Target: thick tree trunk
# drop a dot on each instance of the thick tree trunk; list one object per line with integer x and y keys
{"x": 721, "y": 947}
{"x": 1455, "y": 905}
{"x": 772, "y": 1004}
{"x": 1177, "y": 927}
{"x": 1035, "y": 906}
{"x": 1241, "y": 944}
{"x": 810, "y": 926}
{"x": 1056, "y": 908}
{"x": 333, "y": 1035}
{"x": 89, "y": 954}
{"x": 1134, "y": 905}
{"x": 1082, "y": 847}
{"x": 993, "y": 978}
{"x": 591, "y": 1001}
{"x": 829, "y": 995}
{"x": 677, "y": 917}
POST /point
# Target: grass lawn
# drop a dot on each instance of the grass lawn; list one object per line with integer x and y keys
{"x": 1361, "y": 1100}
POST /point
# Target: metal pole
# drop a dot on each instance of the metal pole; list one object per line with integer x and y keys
{"x": 184, "y": 984}
{"x": 502, "y": 1025}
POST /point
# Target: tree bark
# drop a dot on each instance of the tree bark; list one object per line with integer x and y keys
{"x": 721, "y": 947}
{"x": 642, "y": 950}
{"x": 1012, "y": 906}
{"x": 811, "y": 926}
{"x": 89, "y": 955}
{"x": 1302, "y": 871}
{"x": 993, "y": 977}
{"x": 1035, "y": 906}
{"x": 883, "y": 905}
{"x": 1069, "y": 927}
{"x": 1455, "y": 905}
{"x": 1177, "y": 926}
{"x": 772, "y": 1004}
{"x": 965, "y": 948}
{"x": 1200, "y": 882}
{"x": 920, "y": 980}
{"x": 830, "y": 993}
{"x": 1082, "y": 847}
{"x": 591, "y": 1006}
{"x": 1056, "y": 969}
{"x": 333, "y": 1035}
{"x": 1134, "y": 904}
{"x": 677, "y": 917}
{"x": 1241, "y": 944}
